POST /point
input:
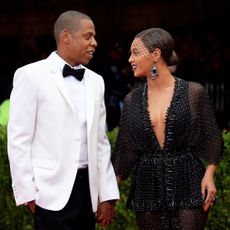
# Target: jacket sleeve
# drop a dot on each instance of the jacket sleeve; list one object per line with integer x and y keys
{"x": 108, "y": 187}
{"x": 22, "y": 115}
{"x": 212, "y": 136}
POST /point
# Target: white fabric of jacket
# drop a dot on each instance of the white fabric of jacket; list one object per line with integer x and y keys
{"x": 44, "y": 137}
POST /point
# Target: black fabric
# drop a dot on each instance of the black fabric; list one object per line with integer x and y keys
{"x": 185, "y": 219}
{"x": 167, "y": 178}
{"x": 77, "y": 73}
{"x": 77, "y": 214}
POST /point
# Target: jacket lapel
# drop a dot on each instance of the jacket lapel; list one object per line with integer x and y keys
{"x": 54, "y": 65}
{"x": 90, "y": 99}
{"x": 60, "y": 83}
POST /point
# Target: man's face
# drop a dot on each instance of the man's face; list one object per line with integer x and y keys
{"x": 82, "y": 43}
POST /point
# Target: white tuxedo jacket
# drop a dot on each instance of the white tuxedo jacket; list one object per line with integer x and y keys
{"x": 44, "y": 137}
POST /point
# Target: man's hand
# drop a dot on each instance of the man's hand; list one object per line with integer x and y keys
{"x": 105, "y": 213}
{"x": 31, "y": 206}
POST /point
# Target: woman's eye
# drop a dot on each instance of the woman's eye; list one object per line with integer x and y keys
{"x": 134, "y": 52}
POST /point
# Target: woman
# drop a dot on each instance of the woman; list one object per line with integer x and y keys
{"x": 168, "y": 140}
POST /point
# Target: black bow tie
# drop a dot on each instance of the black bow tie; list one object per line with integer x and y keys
{"x": 77, "y": 73}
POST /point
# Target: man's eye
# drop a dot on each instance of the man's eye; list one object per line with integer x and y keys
{"x": 88, "y": 36}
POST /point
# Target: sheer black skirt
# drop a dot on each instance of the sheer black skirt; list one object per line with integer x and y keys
{"x": 184, "y": 219}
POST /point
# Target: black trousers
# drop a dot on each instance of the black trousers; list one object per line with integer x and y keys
{"x": 76, "y": 215}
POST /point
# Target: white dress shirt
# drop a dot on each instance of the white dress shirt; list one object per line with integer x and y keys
{"x": 77, "y": 93}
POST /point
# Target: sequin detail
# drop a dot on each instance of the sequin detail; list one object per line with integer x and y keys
{"x": 168, "y": 178}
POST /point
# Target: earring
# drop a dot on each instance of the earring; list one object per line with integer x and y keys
{"x": 154, "y": 72}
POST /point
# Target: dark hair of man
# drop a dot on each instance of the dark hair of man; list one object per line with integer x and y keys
{"x": 69, "y": 21}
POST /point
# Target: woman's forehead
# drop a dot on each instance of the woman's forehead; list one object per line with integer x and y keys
{"x": 138, "y": 46}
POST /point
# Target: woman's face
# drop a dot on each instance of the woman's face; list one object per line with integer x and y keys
{"x": 140, "y": 59}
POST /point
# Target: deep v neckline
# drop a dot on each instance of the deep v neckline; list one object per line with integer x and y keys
{"x": 166, "y": 118}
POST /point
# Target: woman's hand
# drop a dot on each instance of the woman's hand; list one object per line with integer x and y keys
{"x": 208, "y": 187}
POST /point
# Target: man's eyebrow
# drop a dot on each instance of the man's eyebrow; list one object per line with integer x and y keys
{"x": 89, "y": 33}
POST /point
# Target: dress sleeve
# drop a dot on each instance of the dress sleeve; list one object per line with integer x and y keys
{"x": 124, "y": 158}
{"x": 213, "y": 140}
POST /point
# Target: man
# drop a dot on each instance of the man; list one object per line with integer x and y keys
{"x": 58, "y": 149}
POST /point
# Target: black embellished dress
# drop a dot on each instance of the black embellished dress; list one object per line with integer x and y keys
{"x": 166, "y": 182}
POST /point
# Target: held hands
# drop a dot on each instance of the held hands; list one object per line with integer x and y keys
{"x": 105, "y": 213}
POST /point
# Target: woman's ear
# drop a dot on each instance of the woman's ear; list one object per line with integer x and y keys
{"x": 156, "y": 54}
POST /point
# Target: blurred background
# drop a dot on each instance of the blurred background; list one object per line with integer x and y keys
{"x": 200, "y": 29}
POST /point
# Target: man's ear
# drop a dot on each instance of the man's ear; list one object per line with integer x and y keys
{"x": 65, "y": 36}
